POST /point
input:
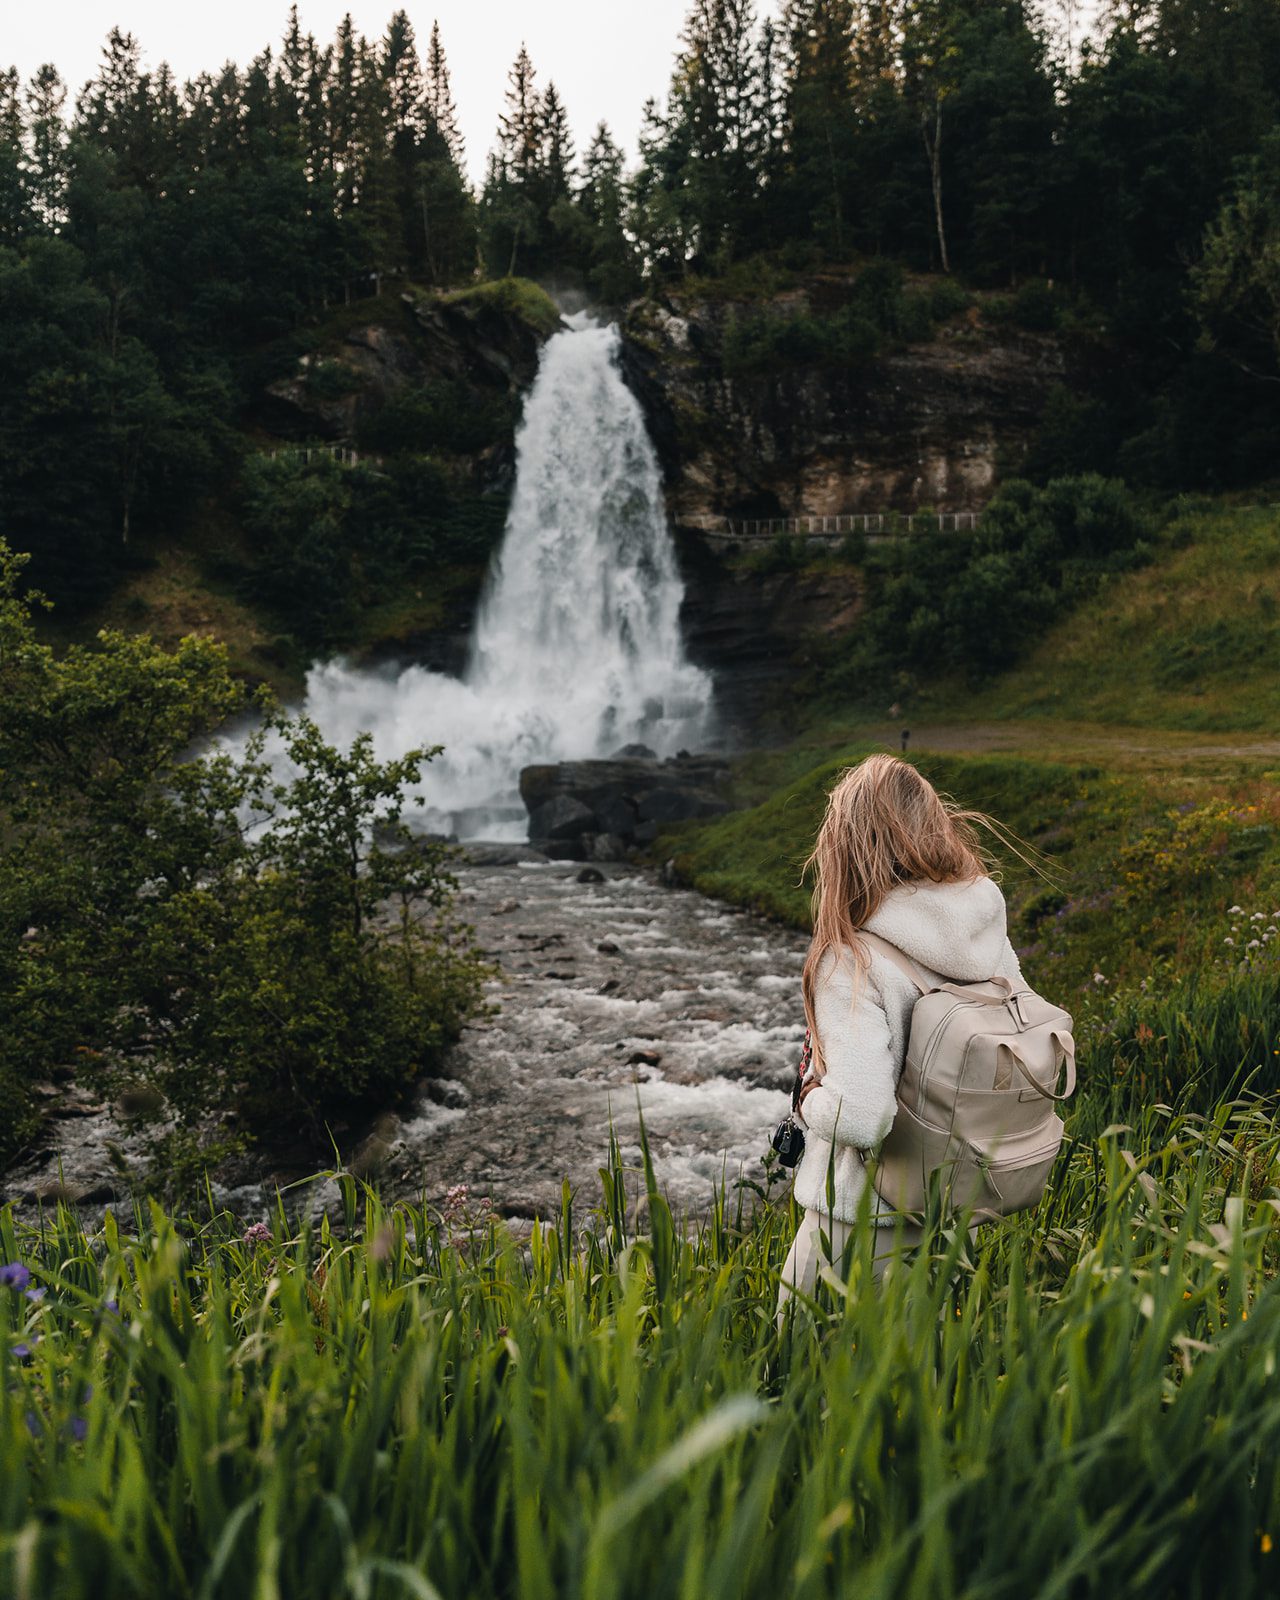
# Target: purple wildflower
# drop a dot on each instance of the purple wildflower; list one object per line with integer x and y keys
{"x": 36, "y": 1295}
{"x": 34, "y": 1426}
{"x": 22, "y": 1350}
{"x": 78, "y": 1428}
{"x": 256, "y": 1234}
{"x": 15, "y": 1275}
{"x": 113, "y": 1306}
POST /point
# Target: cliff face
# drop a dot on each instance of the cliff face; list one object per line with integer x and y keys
{"x": 486, "y": 343}
{"x": 931, "y": 424}
{"x": 922, "y": 426}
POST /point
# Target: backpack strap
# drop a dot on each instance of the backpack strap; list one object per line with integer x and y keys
{"x": 900, "y": 960}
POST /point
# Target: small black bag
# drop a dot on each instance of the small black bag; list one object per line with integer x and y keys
{"x": 788, "y": 1136}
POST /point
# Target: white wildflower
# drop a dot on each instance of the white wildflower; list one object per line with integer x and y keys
{"x": 1098, "y": 978}
{"x": 1254, "y": 944}
{"x": 1228, "y": 941}
{"x": 1234, "y": 911}
{"x": 1258, "y": 916}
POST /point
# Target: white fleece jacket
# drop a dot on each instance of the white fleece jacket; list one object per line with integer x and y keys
{"x": 950, "y": 930}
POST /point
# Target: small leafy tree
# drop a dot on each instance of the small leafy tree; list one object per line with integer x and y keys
{"x": 262, "y": 952}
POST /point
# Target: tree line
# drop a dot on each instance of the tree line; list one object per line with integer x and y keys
{"x": 160, "y": 243}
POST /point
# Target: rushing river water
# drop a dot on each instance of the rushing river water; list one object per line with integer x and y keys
{"x": 608, "y": 993}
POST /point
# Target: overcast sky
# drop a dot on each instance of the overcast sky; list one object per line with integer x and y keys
{"x": 606, "y": 56}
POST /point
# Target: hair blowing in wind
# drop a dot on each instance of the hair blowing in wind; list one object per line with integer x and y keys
{"x": 885, "y": 824}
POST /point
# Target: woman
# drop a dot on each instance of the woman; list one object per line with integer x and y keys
{"x": 897, "y": 858}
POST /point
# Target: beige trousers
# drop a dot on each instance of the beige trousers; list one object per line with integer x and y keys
{"x": 800, "y": 1269}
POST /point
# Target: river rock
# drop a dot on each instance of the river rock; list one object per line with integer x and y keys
{"x": 624, "y": 800}
{"x": 483, "y": 854}
{"x": 608, "y": 847}
{"x": 677, "y": 805}
{"x": 562, "y": 816}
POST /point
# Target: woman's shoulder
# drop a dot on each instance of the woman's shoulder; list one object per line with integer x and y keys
{"x": 850, "y": 972}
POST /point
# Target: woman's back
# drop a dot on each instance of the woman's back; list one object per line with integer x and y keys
{"x": 953, "y": 930}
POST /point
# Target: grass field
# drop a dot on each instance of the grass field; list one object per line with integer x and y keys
{"x": 1087, "y": 1404}
{"x": 1188, "y": 641}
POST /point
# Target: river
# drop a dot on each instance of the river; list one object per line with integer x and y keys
{"x": 609, "y": 996}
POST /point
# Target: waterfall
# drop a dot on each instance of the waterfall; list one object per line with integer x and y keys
{"x": 577, "y": 647}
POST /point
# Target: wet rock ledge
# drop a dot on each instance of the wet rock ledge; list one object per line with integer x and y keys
{"x": 601, "y": 810}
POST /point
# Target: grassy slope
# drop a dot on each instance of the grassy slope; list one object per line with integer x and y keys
{"x": 1150, "y": 836}
{"x": 1189, "y": 642}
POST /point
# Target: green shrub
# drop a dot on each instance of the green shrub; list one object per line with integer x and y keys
{"x": 879, "y": 311}
{"x": 520, "y": 296}
{"x": 328, "y": 379}
{"x": 444, "y": 415}
{"x": 1036, "y": 552}
{"x": 948, "y": 299}
{"x": 1035, "y": 306}
{"x": 190, "y": 923}
{"x": 331, "y": 541}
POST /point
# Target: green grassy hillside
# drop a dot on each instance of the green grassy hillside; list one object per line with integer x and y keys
{"x": 1190, "y": 641}
{"x": 1117, "y": 751}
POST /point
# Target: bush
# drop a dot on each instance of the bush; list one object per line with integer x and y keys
{"x": 232, "y": 941}
{"x": 444, "y": 415}
{"x": 1035, "y": 306}
{"x": 331, "y": 541}
{"x": 947, "y": 299}
{"x": 879, "y": 311}
{"x": 1035, "y": 552}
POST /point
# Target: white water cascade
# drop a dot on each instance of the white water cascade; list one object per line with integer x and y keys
{"x": 577, "y": 646}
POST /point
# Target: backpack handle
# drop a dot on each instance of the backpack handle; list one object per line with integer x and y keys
{"x": 1062, "y": 1042}
{"x": 965, "y": 992}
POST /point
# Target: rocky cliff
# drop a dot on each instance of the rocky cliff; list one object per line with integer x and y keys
{"x": 484, "y": 343}
{"x": 926, "y": 424}
{"x": 930, "y": 423}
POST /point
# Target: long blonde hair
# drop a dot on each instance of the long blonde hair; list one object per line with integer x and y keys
{"x": 885, "y": 824}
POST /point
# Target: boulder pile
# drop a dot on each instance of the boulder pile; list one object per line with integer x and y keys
{"x": 602, "y": 810}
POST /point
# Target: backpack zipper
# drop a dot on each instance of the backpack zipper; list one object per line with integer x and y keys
{"x": 927, "y": 1053}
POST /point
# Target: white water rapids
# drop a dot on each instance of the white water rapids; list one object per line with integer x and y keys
{"x": 577, "y": 647}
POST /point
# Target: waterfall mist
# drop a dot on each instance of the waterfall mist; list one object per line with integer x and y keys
{"x": 577, "y": 647}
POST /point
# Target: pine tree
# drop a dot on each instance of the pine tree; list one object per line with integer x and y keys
{"x": 519, "y": 125}
{"x": 47, "y": 147}
{"x": 439, "y": 97}
{"x": 611, "y": 268}
{"x": 344, "y": 112}
{"x": 716, "y": 119}
{"x": 821, "y": 118}
{"x": 14, "y": 219}
{"x": 512, "y": 220}
{"x": 401, "y": 74}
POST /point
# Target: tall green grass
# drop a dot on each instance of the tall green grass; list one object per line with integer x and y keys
{"x": 1084, "y": 1403}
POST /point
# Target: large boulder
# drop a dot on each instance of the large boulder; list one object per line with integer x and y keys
{"x": 626, "y": 799}
{"x": 559, "y": 818}
{"x": 678, "y": 805}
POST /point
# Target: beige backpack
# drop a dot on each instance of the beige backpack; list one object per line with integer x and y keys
{"x": 977, "y": 1095}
